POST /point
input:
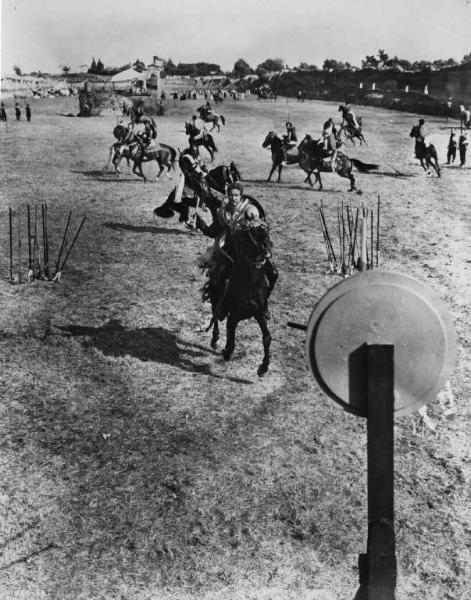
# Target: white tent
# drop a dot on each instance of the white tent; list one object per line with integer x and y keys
{"x": 127, "y": 78}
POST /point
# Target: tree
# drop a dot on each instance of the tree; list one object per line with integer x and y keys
{"x": 303, "y": 66}
{"x": 271, "y": 64}
{"x": 383, "y": 57}
{"x": 370, "y": 62}
{"x": 138, "y": 65}
{"x": 100, "y": 67}
{"x": 241, "y": 68}
{"x": 65, "y": 69}
{"x": 330, "y": 64}
{"x": 169, "y": 67}
{"x": 92, "y": 68}
{"x": 17, "y": 70}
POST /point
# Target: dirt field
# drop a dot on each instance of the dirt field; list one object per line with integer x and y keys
{"x": 135, "y": 463}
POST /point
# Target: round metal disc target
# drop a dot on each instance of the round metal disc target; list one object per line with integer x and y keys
{"x": 379, "y": 307}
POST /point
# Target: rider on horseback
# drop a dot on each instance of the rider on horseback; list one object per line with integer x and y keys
{"x": 148, "y": 135}
{"x": 238, "y": 212}
{"x": 349, "y": 117}
{"x": 328, "y": 142}
{"x": 290, "y": 139}
{"x": 195, "y": 132}
{"x": 418, "y": 133}
{"x": 194, "y": 170}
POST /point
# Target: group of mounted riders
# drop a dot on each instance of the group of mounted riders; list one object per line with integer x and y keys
{"x": 240, "y": 273}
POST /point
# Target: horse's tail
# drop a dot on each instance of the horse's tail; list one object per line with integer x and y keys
{"x": 223, "y": 120}
{"x": 363, "y": 167}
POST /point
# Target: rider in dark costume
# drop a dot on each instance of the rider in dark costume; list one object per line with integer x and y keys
{"x": 239, "y": 212}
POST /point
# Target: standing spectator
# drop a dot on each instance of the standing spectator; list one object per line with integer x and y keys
{"x": 17, "y": 111}
{"x": 451, "y": 154}
{"x": 3, "y": 114}
{"x": 448, "y": 108}
{"x": 462, "y": 147}
{"x": 28, "y": 112}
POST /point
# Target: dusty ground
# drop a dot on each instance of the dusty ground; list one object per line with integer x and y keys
{"x": 137, "y": 464}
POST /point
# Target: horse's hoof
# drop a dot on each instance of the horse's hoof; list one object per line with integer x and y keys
{"x": 262, "y": 369}
{"x": 226, "y": 355}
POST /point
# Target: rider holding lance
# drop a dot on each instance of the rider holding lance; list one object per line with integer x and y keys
{"x": 238, "y": 212}
{"x": 289, "y": 139}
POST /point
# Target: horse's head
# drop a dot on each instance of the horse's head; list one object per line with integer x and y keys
{"x": 253, "y": 244}
{"x": 307, "y": 143}
{"x": 268, "y": 140}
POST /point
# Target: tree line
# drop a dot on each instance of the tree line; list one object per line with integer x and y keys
{"x": 241, "y": 67}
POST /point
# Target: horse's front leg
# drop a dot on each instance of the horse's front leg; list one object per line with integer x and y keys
{"x": 280, "y": 166}
{"x": 352, "y": 182}
{"x": 319, "y": 180}
{"x": 266, "y": 338}
{"x": 215, "y": 334}
{"x": 116, "y": 163}
{"x": 140, "y": 173}
{"x": 161, "y": 167}
{"x": 272, "y": 171}
{"x": 230, "y": 337}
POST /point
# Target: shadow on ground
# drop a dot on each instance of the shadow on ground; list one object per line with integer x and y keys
{"x": 155, "y": 344}
{"x": 143, "y": 228}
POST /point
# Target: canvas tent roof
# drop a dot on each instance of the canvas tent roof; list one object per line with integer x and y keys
{"x": 129, "y": 75}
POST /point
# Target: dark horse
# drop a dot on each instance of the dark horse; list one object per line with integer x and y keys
{"x": 278, "y": 154}
{"x": 206, "y": 140}
{"x": 313, "y": 159}
{"x": 426, "y": 154}
{"x": 217, "y": 180}
{"x": 245, "y": 294}
{"x": 131, "y": 147}
{"x": 210, "y": 117}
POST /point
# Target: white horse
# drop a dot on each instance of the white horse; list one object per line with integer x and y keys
{"x": 465, "y": 117}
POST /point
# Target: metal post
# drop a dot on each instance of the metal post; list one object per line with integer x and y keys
{"x": 378, "y": 566}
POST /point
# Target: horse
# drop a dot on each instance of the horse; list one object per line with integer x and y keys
{"x": 313, "y": 160}
{"x": 426, "y": 154}
{"x": 132, "y": 148}
{"x": 278, "y": 157}
{"x": 244, "y": 295}
{"x": 217, "y": 179}
{"x": 206, "y": 140}
{"x": 210, "y": 118}
{"x": 348, "y": 128}
{"x": 465, "y": 117}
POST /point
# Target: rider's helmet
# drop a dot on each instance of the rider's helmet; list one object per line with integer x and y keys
{"x": 289, "y": 125}
{"x": 421, "y": 121}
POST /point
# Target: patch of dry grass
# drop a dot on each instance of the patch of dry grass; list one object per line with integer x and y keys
{"x": 136, "y": 463}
